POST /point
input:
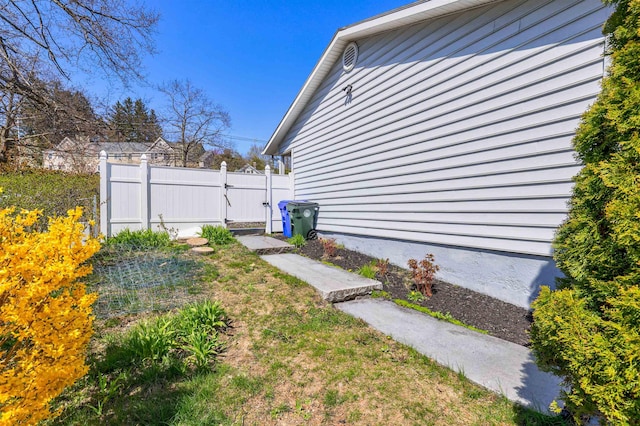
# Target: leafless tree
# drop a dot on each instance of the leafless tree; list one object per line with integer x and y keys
{"x": 192, "y": 120}
{"x": 55, "y": 36}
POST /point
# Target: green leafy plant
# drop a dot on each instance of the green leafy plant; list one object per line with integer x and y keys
{"x": 423, "y": 274}
{"x": 367, "y": 271}
{"x": 587, "y": 331}
{"x": 207, "y": 315}
{"x": 216, "y": 235}
{"x": 297, "y": 241}
{"x": 329, "y": 246}
{"x": 141, "y": 239}
{"x": 415, "y": 296}
{"x": 187, "y": 338}
{"x": 200, "y": 347}
{"x": 151, "y": 340}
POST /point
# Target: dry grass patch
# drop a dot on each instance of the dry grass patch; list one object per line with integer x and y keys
{"x": 292, "y": 359}
{"x": 321, "y": 366}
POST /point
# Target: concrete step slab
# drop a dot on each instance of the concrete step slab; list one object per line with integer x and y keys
{"x": 333, "y": 284}
{"x": 501, "y": 366}
{"x": 262, "y": 244}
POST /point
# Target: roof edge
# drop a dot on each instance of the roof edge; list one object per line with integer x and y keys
{"x": 396, "y": 18}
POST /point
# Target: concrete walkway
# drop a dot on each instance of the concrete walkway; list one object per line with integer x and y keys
{"x": 264, "y": 245}
{"x": 333, "y": 284}
{"x": 501, "y": 366}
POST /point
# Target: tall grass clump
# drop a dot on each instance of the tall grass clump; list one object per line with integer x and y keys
{"x": 141, "y": 239}
{"x": 588, "y": 330}
{"x": 297, "y": 241}
{"x": 217, "y": 235}
{"x": 184, "y": 340}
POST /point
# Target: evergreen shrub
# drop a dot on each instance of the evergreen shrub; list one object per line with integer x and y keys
{"x": 588, "y": 331}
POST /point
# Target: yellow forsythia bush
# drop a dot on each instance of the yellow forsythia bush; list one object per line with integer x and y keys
{"x": 45, "y": 313}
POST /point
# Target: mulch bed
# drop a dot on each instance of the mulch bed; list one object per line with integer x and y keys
{"x": 500, "y": 319}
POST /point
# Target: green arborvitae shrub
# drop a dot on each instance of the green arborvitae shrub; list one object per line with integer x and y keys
{"x": 588, "y": 331}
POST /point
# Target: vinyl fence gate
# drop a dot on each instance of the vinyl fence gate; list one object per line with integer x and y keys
{"x": 181, "y": 200}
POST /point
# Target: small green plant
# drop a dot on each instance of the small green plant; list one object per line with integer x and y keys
{"x": 297, "y": 241}
{"x": 108, "y": 389}
{"x": 201, "y": 347}
{"x": 367, "y": 271}
{"x": 151, "y": 340}
{"x": 381, "y": 294}
{"x": 207, "y": 315}
{"x": 415, "y": 296}
{"x": 188, "y": 338}
{"x": 217, "y": 235}
{"x": 444, "y": 317}
{"x": 141, "y": 239}
{"x": 280, "y": 409}
{"x": 329, "y": 247}
{"x": 423, "y": 274}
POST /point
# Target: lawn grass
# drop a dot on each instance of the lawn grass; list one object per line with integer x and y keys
{"x": 289, "y": 358}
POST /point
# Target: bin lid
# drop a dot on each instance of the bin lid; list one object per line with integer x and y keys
{"x": 302, "y": 204}
{"x": 282, "y": 204}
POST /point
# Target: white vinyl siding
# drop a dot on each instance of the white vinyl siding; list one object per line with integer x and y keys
{"x": 459, "y": 129}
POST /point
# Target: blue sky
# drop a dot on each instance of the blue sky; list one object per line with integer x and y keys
{"x": 251, "y": 57}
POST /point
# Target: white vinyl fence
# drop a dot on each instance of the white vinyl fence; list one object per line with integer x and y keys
{"x": 180, "y": 199}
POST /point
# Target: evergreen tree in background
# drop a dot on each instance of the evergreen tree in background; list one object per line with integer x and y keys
{"x": 132, "y": 121}
{"x": 588, "y": 331}
{"x": 71, "y": 114}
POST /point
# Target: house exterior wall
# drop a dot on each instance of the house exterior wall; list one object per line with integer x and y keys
{"x": 457, "y": 135}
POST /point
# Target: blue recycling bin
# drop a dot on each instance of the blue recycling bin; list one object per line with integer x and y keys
{"x": 286, "y": 220}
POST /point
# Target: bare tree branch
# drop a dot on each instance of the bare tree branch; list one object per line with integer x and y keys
{"x": 42, "y": 40}
{"x": 192, "y": 120}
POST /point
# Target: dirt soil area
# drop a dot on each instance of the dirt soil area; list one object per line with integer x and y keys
{"x": 498, "y": 318}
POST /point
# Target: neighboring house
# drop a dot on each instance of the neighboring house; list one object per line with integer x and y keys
{"x": 445, "y": 127}
{"x": 195, "y": 153}
{"x": 206, "y": 160}
{"x": 250, "y": 168}
{"x": 82, "y": 155}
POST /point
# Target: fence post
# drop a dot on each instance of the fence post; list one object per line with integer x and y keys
{"x": 269, "y": 201}
{"x": 104, "y": 195}
{"x": 94, "y": 215}
{"x": 144, "y": 192}
{"x": 223, "y": 193}
{"x": 292, "y": 187}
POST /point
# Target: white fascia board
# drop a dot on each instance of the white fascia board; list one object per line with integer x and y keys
{"x": 396, "y": 18}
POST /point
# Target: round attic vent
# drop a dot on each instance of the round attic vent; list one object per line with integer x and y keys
{"x": 350, "y": 56}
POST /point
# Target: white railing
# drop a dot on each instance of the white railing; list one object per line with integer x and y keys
{"x": 143, "y": 196}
